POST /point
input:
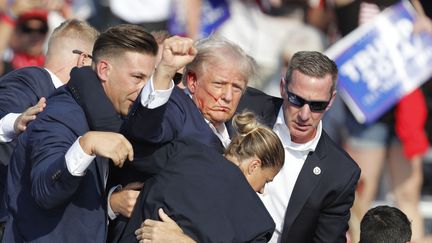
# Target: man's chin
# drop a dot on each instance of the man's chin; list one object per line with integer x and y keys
{"x": 220, "y": 120}
{"x": 301, "y": 136}
{"x": 221, "y": 116}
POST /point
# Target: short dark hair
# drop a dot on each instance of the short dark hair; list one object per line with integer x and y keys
{"x": 121, "y": 38}
{"x": 384, "y": 224}
{"x": 314, "y": 64}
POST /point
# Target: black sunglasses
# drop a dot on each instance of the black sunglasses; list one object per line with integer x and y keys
{"x": 27, "y": 30}
{"x": 314, "y": 105}
{"x": 81, "y": 52}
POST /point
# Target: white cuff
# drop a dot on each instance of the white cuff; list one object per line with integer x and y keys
{"x": 77, "y": 160}
{"x": 151, "y": 98}
{"x": 111, "y": 214}
{"x": 7, "y": 131}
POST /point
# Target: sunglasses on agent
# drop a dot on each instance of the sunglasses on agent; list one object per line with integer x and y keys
{"x": 314, "y": 105}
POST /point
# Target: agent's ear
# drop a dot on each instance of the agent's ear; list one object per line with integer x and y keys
{"x": 191, "y": 81}
{"x": 333, "y": 97}
{"x": 253, "y": 166}
{"x": 282, "y": 87}
{"x": 103, "y": 69}
{"x": 83, "y": 60}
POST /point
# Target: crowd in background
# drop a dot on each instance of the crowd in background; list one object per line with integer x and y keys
{"x": 271, "y": 31}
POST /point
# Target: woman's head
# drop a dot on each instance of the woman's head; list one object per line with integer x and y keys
{"x": 256, "y": 149}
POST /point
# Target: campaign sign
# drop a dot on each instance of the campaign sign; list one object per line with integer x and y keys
{"x": 382, "y": 61}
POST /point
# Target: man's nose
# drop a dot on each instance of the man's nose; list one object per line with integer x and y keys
{"x": 305, "y": 112}
{"x": 227, "y": 93}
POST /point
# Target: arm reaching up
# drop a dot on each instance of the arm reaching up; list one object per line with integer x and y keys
{"x": 177, "y": 52}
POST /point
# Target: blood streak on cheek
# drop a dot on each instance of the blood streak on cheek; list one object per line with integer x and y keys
{"x": 216, "y": 99}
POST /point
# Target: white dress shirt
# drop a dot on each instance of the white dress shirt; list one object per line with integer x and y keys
{"x": 277, "y": 193}
{"x": 221, "y": 132}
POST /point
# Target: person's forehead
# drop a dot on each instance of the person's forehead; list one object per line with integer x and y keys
{"x": 132, "y": 56}
{"x": 224, "y": 72}
{"x": 299, "y": 78}
{"x": 310, "y": 87}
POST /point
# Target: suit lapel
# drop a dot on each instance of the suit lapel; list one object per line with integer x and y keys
{"x": 216, "y": 142}
{"x": 307, "y": 180}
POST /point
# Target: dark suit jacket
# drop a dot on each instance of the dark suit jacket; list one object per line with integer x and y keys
{"x": 47, "y": 203}
{"x": 178, "y": 118}
{"x": 207, "y": 195}
{"x": 19, "y": 90}
{"x": 319, "y": 208}
{"x": 148, "y": 130}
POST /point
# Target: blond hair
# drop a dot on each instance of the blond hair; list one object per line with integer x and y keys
{"x": 255, "y": 139}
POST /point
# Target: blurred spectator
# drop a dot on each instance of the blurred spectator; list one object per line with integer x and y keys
{"x": 398, "y": 137}
{"x": 271, "y": 31}
{"x": 27, "y": 42}
{"x": 24, "y": 29}
{"x": 25, "y": 26}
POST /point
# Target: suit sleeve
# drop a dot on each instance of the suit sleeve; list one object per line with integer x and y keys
{"x": 155, "y": 126}
{"x": 20, "y": 90}
{"x": 333, "y": 219}
{"x": 49, "y": 140}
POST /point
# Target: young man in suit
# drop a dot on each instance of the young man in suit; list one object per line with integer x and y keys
{"x": 57, "y": 176}
{"x": 69, "y": 46}
{"x": 23, "y": 92}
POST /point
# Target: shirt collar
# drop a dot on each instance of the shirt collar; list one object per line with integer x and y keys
{"x": 282, "y": 131}
{"x": 221, "y": 132}
{"x": 55, "y": 80}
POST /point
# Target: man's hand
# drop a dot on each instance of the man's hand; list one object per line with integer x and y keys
{"x": 28, "y": 115}
{"x": 163, "y": 231}
{"x": 123, "y": 201}
{"x": 110, "y": 145}
{"x": 177, "y": 52}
